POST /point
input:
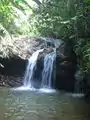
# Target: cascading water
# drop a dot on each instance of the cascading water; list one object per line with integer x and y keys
{"x": 30, "y": 69}
{"x": 47, "y": 71}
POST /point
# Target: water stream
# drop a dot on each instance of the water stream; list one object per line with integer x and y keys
{"x": 30, "y": 69}
{"x": 46, "y": 74}
{"x": 47, "y": 71}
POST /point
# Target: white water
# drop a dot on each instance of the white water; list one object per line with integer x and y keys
{"x": 30, "y": 69}
{"x": 47, "y": 71}
{"x": 46, "y": 82}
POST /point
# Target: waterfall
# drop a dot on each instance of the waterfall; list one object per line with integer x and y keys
{"x": 47, "y": 71}
{"x": 30, "y": 68}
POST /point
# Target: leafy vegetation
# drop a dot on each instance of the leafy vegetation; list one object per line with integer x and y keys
{"x": 65, "y": 19}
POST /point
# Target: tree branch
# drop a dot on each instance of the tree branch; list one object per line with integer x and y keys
{"x": 38, "y": 2}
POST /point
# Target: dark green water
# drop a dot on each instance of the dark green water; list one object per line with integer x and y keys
{"x": 26, "y": 105}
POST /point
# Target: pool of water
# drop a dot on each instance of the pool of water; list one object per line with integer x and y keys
{"x": 35, "y": 105}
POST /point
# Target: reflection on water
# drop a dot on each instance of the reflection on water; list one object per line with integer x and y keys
{"x": 26, "y": 105}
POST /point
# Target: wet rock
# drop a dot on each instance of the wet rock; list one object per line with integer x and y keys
{"x": 79, "y": 82}
{"x": 65, "y": 68}
{"x": 10, "y": 81}
{"x": 86, "y": 80}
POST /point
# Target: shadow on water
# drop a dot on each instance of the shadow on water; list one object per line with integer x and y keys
{"x": 35, "y": 105}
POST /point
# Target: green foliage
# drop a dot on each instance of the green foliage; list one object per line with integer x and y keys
{"x": 9, "y": 12}
{"x": 82, "y": 46}
{"x": 66, "y": 19}
{"x": 52, "y": 17}
{"x": 12, "y": 11}
{"x": 82, "y": 49}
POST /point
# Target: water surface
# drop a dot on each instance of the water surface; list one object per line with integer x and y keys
{"x": 26, "y": 105}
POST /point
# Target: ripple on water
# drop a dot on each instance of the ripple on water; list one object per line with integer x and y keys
{"x": 34, "y": 106}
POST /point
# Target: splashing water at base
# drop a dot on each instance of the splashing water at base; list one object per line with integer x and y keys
{"x": 47, "y": 90}
{"x": 24, "y": 88}
{"x": 42, "y": 90}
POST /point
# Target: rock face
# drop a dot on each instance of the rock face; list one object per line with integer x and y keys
{"x": 79, "y": 82}
{"x": 14, "y": 66}
{"x": 86, "y": 86}
{"x": 64, "y": 66}
{"x": 26, "y": 46}
{"x": 82, "y": 83}
{"x": 11, "y": 71}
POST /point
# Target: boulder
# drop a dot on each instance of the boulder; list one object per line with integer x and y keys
{"x": 65, "y": 68}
